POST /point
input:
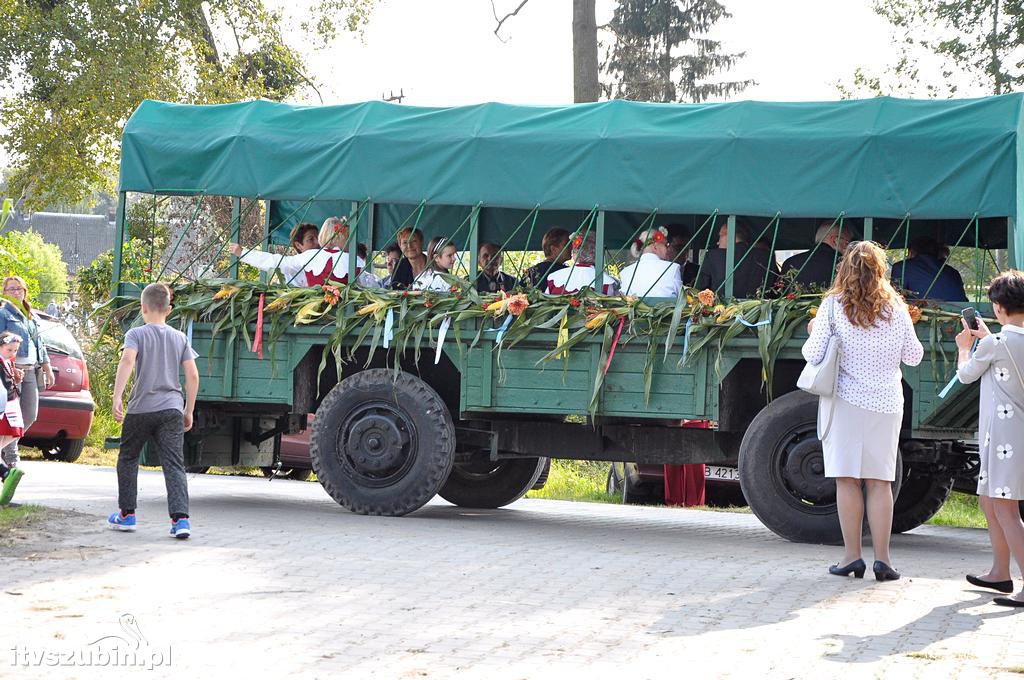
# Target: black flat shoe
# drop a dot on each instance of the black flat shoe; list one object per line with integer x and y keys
{"x": 1001, "y": 586}
{"x": 883, "y": 572}
{"x": 857, "y": 568}
{"x": 1008, "y": 602}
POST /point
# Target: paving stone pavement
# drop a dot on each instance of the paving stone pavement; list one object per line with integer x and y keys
{"x": 279, "y": 581}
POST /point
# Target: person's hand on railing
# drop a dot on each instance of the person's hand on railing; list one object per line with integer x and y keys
{"x": 236, "y": 249}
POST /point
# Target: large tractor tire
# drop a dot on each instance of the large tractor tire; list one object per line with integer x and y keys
{"x": 382, "y": 446}
{"x": 921, "y": 496}
{"x": 782, "y": 472}
{"x": 482, "y": 483}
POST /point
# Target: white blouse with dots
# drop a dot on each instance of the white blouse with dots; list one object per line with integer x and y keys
{"x": 869, "y": 364}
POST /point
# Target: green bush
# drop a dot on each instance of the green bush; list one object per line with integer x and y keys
{"x": 25, "y": 254}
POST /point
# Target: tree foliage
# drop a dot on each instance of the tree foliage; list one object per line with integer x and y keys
{"x": 661, "y": 52}
{"x": 25, "y": 254}
{"x": 77, "y": 69}
{"x": 946, "y": 45}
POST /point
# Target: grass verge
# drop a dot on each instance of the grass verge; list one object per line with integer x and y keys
{"x": 19, "y": 517}
{"x": 960, "y": 510}
{"x": 577, "y": 480}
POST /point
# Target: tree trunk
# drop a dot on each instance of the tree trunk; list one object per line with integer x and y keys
{"x": 586, "y": 87}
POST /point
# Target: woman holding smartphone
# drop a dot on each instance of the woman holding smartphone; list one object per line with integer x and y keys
{"x": 996, "y": 362}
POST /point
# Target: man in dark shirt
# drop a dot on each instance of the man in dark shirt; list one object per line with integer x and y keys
{"x": 925, "y": 272}
{"x": 490, "y": 279}
{"x": 750, "y": 271}
{"x": 555, "y": 246}
{"x": 817, "y": 265}
{"x": 678, "y": 235}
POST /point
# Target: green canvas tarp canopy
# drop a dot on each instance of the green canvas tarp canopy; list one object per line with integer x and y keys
{"x": 881, "y": 158}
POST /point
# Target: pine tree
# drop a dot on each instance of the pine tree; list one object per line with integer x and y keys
{"x": 661, "y": 53}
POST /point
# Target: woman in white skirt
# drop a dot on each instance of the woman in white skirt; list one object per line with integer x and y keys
{"x": 862, "y": 421}
{"x": 998, "y": 361}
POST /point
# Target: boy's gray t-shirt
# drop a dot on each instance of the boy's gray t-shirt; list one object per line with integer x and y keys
{"x": 161, "y": 351}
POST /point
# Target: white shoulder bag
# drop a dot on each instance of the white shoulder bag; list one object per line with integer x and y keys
{"x": 821, "y": 378}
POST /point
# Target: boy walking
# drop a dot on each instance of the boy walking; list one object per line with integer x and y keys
{"x": 157, "y": 410}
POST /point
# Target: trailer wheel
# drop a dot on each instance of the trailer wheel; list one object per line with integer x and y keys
{"x": 782, "y": 472}
{"x": 921, "y": 496}
{"x": 482, "y": 483}
{"x": 624, "y": 478}
{"x": 382, "y": 445}
{"x": 542, "y": 479}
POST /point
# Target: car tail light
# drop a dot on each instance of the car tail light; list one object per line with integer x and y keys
{"x": 80, "y": 365}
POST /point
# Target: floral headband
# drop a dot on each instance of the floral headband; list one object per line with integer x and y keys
{"x": 9, "y": 339}
{"x": 659, "y": 235}
{"x": 577, "y": 241}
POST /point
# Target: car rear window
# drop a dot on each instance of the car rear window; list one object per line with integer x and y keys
{"x": 59, "y": 338}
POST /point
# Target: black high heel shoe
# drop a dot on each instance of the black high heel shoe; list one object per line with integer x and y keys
{"x": 883, "y": 572}
{"x": 1001, "y": 586}
{"x": 857, "y": 568}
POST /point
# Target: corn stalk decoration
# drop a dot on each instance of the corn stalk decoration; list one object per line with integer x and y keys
{"x": 351, "y": 316}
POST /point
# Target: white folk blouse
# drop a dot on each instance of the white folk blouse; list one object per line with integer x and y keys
{"x": 569, "y": 280}
{"x": 651, "y": 276}
{"x": 431, "y": 280}
{"x": 869, "y": 367}
{"x": 307, "y": 269}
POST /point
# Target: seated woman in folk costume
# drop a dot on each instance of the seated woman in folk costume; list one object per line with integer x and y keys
{"x": 325, "y": 263}
{"x": 581, "y": 274}
{"x": 652, "y": 275}
{"x": 441, "y": 256}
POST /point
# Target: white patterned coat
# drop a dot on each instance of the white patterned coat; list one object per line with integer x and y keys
{"x": 1001, "y": 412}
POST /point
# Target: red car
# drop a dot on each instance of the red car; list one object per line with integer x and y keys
{"x": 65, "y": 410}
{"x": 644, "y": 484}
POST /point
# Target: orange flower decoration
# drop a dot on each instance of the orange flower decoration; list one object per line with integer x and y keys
{"x": 517, "y": 304}
{"x": 332, "y": 295}
{"x": 915, "y": 313}
{"x": 658, "y": 237}
{"x": 706, "y": 297}
{"x": 577, "y": 242}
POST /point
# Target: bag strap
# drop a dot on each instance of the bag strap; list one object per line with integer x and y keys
{"x": 1014, "y": 362}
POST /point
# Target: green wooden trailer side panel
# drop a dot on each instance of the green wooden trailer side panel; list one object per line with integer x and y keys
{"x": 516, "y": 381}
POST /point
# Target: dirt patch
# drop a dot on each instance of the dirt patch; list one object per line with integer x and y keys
{"x": 51, "y": 534}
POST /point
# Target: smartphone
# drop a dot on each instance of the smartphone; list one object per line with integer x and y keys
{"x": 971, "y": 317}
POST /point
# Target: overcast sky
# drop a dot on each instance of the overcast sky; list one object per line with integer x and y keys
{"x": 444, "y": 52}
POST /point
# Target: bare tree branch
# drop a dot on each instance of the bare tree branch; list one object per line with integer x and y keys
{"x": 503, "y": 19}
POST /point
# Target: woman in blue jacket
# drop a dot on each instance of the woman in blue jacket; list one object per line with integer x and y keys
{"x": 16, "y": 315}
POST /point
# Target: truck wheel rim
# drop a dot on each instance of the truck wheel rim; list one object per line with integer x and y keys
{"x": 377, "y": 444}
{"x": 798, "y": 464}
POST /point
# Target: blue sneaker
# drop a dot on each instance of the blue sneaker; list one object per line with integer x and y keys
{"x": 120, "y": 522}
{"x": 181, "y": 528}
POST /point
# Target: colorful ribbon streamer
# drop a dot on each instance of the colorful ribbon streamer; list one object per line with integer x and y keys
{"x": 389, "y": 328}
{"x": 257, "y": 341}
{"x": 955, "y": 379}
{"x": 446, "y": 322}
{"x": 563, "y": 336}
{"x": 615, "y": 343}
{"x": 686, "y": 337}
{"x": 501, "y": 331}
{"x": 765, "y": 322}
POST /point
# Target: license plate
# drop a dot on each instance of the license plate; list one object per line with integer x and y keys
{"x": 726, "y": 474}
